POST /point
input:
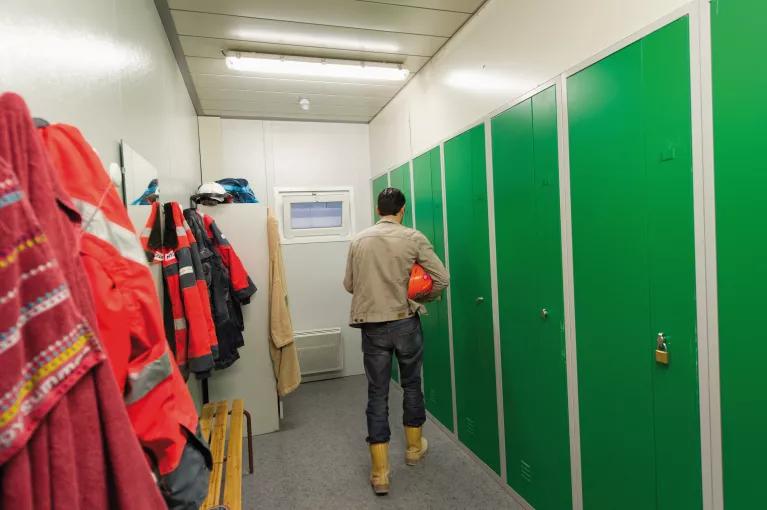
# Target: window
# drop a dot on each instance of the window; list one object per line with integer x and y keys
{"x": 310, "y": 215}
{"x": 316, "y": 215}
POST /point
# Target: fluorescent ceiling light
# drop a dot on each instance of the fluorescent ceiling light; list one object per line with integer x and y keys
{"x": 264, "y": 63}
{"x": 340, "y": 43}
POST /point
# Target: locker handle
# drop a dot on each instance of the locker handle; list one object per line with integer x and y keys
{"x": 480, "y": 300}
{"x": 544, "y": 313}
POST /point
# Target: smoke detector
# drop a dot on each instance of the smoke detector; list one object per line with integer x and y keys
{"x": 304, "y": 103}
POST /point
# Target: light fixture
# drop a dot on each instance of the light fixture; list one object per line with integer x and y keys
{"x": 304, "y": 103}
{"x": 265, "y": 63}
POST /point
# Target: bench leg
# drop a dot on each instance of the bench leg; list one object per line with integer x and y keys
{"x": 250, "y": 440}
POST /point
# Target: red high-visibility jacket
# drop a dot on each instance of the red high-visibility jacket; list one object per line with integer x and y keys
{"x": 196, "y": 344}
{"x": 230, "y": 285}
{"x": 129, "y": 318}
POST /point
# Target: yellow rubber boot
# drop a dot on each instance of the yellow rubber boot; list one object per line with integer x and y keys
{"x": 379, "y": 472}
{"x": 416, "y": 445}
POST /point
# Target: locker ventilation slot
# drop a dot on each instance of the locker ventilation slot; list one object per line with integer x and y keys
{"x": 319, "y": 351}
{"x": 526, "y": 470}
{"x": 471, "y": 428}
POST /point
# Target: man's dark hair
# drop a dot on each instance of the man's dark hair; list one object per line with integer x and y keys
{"x": 390, "y": 201}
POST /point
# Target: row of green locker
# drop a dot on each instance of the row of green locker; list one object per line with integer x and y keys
{"x": 636, "y": 307}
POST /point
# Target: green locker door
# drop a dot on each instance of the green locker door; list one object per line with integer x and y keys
{"x": 379, "y": 184}
{"x": 427, "y": 191}
{"x": 473, "y": 346}
{"x": 529, "y": 254}
{"x": 400, "y": 179}
{"x": 634, "y": 267}
{"x": 740, "y": 79}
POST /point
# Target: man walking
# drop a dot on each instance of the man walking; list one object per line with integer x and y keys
{"x": 377, "y": 275}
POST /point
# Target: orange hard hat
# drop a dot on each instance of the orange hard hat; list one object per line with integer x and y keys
{"x": 420, "y": 284}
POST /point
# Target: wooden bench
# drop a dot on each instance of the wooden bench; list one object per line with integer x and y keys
{"x": 214, "y": 431}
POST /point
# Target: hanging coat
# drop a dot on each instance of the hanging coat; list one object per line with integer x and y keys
{"x": 129, "y": 321}
{"x": 66, "y": 441}
{"x": 281, "y": 343}
{"x": 229, "y": 284}
{"x": 194, "y": 339}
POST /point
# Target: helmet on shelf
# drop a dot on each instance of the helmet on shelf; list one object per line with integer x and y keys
{"x": 210, "y": 193}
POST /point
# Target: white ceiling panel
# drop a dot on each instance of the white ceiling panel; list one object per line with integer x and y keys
{"x": 466, "y": 6}
{"x": 278, "y": 107}
{"x": 302, "y": 34}
{"x": 362, "y": 119}
{"x": 290, "y": 97}
{"x": 343, "y": 13}
{"x": 213, "y": 48}
{"x": 212, "y": 81}
{"x": 406, "y": 32}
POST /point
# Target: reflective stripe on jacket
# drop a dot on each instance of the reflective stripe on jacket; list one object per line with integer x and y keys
{"x": 195, "y": 341}
{"x": 128, "y": 312}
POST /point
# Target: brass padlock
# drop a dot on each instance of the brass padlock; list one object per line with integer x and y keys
{"x": 661, "y": 350}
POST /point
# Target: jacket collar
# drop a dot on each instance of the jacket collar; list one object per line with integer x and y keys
{"x": 384, "y": 220}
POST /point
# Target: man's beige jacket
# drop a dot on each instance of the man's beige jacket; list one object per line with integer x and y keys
{"x": 378, "y": 271}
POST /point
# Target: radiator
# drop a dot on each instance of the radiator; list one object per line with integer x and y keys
{"x": 319, "y": 350}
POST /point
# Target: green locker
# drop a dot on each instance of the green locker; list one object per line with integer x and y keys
{"x": 634, "y": 268}
{"x": 739, "y": 81}
{"x": 472, "y": 316}
{"x": 400, "y": 179}
{"x": 427, "y": 191}
{"x": 379, "y": 184}
{"x": 529, "y": 255}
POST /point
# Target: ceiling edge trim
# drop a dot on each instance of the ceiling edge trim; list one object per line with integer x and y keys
{"x": 163, "y": 10}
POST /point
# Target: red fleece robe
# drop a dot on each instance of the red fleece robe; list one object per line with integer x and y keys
{"x": 65, "y": 438}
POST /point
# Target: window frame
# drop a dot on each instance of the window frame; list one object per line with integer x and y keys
{"x": 285, "y": 196}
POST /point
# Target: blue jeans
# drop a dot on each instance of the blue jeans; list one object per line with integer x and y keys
{"x": 379, "y": 342}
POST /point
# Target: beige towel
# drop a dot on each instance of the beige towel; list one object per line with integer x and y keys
{"x": 281, "y": 344}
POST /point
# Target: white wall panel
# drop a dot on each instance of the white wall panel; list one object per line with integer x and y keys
{"x": 243, "y": 154}
{"x": 307, "y": 154}
{"x": 313, "y": 154}
{"x": 390, "y": 136}
{"x": 508, "y": 48}
{"x": 105, "y": 67}
{"x": 252, "y": 376}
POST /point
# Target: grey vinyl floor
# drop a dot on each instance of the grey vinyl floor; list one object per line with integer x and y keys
{"x": 319, "y": 460}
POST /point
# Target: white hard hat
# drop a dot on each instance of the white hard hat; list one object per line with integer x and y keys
{"x": 210, "y": 192}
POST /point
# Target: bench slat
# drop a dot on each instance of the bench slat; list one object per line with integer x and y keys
{"x": 233, "y": 484}
{"x": 208, "y": 410}
{"x": 217, "y": 450}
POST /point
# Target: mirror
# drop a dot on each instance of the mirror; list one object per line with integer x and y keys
{"x": 140, "y": 177}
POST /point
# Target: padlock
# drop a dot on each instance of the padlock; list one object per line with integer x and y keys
{"x": 661, "y": 350}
